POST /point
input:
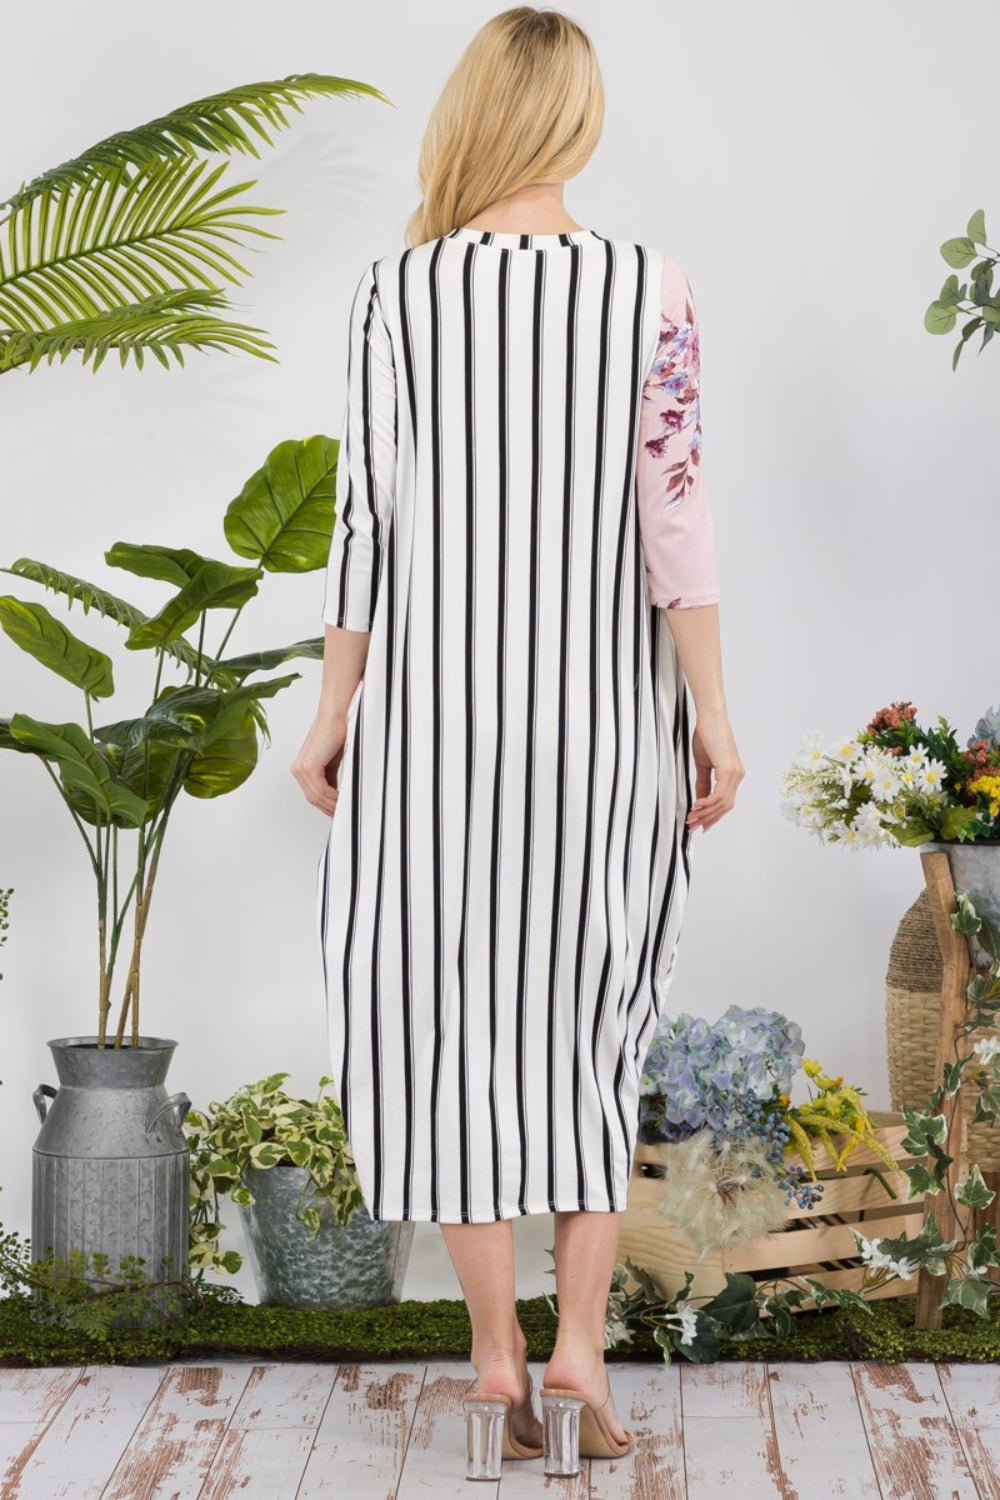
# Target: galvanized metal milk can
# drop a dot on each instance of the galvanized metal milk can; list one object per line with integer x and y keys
{"x": 111, "y": 1163}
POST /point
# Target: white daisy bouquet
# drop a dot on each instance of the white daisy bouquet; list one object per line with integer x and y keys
{"x": 895, "y": 782}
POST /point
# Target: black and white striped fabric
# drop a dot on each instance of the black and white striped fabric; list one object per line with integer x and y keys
{"x": 502, "y": 890}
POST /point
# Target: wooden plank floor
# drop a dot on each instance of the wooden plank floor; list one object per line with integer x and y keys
{"x": 737, "y": 1431}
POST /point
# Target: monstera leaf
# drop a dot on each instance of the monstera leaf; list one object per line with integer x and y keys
{"x": 31, "y": 627}
{"x": 283, "y": 516}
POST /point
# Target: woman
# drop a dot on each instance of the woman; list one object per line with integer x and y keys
{"x": 521, "y": 578}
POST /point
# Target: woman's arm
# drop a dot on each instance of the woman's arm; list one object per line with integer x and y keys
{"x": 678, "y": 540}
{"x": 696, "y": 635}
{"x": 365, "y": 494}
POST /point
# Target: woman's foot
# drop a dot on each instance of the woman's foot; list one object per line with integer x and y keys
{"x": 503, "y": 1375}
{"x": 588, "y": 1375}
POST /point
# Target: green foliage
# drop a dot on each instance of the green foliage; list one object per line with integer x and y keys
{"x": 201, "y": 735}
{"x": 746, "y": 1309}
{"x": 262, "y": 1126}
{"x": 123, "y": 247}
{"x": 284, "y": 514}
{"x": 81, "y": 1295}
{"x": 975, "y": 297}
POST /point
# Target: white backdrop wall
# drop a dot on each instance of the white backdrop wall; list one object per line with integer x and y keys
{"x": 803, "y": 165}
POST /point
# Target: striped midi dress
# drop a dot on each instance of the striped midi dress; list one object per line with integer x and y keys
{"x": 519, "y": 501}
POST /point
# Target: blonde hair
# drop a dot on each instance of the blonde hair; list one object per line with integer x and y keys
{"x": 524, "y": 104}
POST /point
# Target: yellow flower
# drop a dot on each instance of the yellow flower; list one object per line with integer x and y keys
{"x": 991, "y": 786}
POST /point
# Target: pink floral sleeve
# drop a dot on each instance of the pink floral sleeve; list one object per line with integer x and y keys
{"x": 675, "y": 520}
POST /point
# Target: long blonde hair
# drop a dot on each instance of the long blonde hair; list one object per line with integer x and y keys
{"x": 524, "y": 104}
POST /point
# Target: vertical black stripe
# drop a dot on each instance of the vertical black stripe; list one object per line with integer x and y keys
{"x": 405, "y": 912}
{"x": 468, "y": 635}
{"x": 529, "y": 738}
{"x": 556, "y": 999}
{"x": 437, "y": 832}
{"x": 378, "y": 1001}
{"x": 352, "y": 911}
{"x": 503, "y": 376}
{"x": 600, "y": 419}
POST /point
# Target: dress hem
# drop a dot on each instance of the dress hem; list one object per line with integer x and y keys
{"x": 503, "y": 1211}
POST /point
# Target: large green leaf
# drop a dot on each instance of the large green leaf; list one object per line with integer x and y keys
{"x": 283, "y": 516}
{"x": 228, "y": 761}
{"x": 215, "y": 585}
{"x": 90, "y": 596}
{"x": 265, "y": 661}
{"x": 82, "y": 766}
{"x": 176, "y": 565}
{"x": 38, "y": 632}
{"x": 208, "y": 714}
{"x": 226, "y": 122}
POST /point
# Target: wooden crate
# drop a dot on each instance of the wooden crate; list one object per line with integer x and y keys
{"x": 814, "y": 1242}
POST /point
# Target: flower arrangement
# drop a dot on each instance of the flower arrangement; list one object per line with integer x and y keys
{"x": 721, "y": 1094}
{"x": 747, "y": 1308}
{"x": 896, "y": 782}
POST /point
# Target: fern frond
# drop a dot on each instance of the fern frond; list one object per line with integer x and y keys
{"x": 163, "y": 325}
{"x": 120, "y": 240}
{"x": 225, "y": 122}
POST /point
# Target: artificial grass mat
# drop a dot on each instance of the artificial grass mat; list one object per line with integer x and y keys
{"x": 413, "y": 1330}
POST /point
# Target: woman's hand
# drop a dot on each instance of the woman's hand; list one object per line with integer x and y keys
{"x": 317, "y": 763}
{"x": 714, "y": 750}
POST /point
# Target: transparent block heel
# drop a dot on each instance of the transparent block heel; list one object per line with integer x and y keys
{"x": 484, "y": 1423}
{"x": 561, "y": 1433}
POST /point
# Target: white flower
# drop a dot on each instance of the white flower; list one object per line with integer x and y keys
{"x": 647, "y": 1085}
{"x": 812, "y": 750}
{"x": 987, "y": 1048}
{"x": 688, "y": 1323}
{"x": 885, "y": 785}
{"x": 932, "y": 776}
{"x": 845, "y": 749}
{"x": 904, "y": 1267}
{"x": 871, "y": 1253}
{"x": 915, "y": 758}
{"x": 616, "y": 1332}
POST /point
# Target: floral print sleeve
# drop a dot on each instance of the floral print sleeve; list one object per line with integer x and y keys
{"x": 675, "y": 520}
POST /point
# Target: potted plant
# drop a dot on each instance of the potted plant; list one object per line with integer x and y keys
{"x": 111, "y": 1161}
{"x": 287, "y": 1165}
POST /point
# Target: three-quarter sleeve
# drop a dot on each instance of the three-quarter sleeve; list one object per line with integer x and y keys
{"x": 675, "y": 519}
{"x": 366, "y": 466}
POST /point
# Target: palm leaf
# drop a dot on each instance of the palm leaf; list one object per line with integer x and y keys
{"x": 119, "y": 241}
{"x": 107, "y": 605}
{"x": 228, "y": 122}
{"x": 162, "y": 326}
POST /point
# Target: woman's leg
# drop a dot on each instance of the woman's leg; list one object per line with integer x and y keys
{"x": 585, "y": 1250}
{"x": 483, "y": 1257}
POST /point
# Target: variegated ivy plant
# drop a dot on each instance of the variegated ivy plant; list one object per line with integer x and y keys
{"x": 262, "y": 1126}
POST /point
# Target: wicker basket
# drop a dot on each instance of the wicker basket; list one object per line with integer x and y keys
{"x": 814, "y": 1242}
{"x": 912, "y": 1013}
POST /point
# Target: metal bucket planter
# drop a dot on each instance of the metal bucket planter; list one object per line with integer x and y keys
{"x": 358, "y": 1264}
{"x": 111, "y": 1162}
{"x": 975, "y": 868}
